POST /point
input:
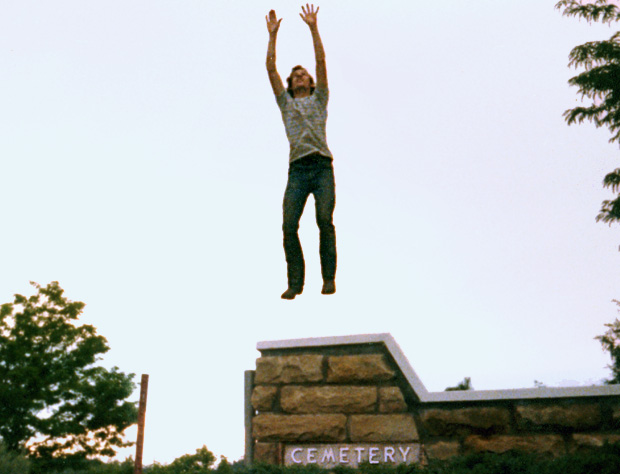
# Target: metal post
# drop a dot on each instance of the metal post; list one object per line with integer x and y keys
{"x": 144, "y": 387}
{"x": 249, "y": 414}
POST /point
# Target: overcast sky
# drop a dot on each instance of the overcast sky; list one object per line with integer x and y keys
{"x": 143, "y": 162}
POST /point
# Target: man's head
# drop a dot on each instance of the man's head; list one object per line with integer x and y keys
{"x": 300, "y": 82}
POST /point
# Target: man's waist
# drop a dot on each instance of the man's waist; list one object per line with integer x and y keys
{"x": 311, "y": 159}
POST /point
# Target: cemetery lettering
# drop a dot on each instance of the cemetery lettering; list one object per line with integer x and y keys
{"x": 352, "y": 455}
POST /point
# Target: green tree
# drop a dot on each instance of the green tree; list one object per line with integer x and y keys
{"x": 55, "y": 401}
{"x": 464, "y": 384}
{"x": 611, "y": 343}
{"x": 199, "y": 463}
{"x": 600, "y": 83}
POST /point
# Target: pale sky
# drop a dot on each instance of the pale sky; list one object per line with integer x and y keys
{"x": 143, "y": 163}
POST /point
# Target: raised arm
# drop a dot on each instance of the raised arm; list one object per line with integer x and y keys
{"x": 309, "y": 16}
{"x": 273, "y": 24}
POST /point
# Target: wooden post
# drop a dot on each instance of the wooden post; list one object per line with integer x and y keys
{"x": 249, "y": 414}
{"x": 144, "y": 387}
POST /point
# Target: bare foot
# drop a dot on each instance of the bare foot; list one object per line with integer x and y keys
{"x": 329, "y": 287}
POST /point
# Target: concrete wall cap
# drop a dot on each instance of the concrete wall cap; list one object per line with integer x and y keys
{"x": 418, "y": 387}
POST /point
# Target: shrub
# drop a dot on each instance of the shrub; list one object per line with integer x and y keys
{"x": 603, "y": 460}
{"x": 199, "y": 463}
{"x": 13, "y": 462}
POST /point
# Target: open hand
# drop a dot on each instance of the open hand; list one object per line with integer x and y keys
{"x": 273, "y": 24}
{"x": 309, "y": 14}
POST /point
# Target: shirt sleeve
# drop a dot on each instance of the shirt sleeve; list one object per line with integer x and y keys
{"x": 322, "y": 95}
{"x": 282, "y": 99}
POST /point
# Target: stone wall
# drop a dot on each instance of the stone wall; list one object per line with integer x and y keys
{"x": 319, "y": 398}
{"x": 547, "y": 426}
{"x": 365, "y": 393}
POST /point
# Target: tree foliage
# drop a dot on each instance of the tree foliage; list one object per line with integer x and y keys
{"x": 13, "y": 462}
{"x": 54, "y": 400}
{"x": 600, "y": 83}
{"x": 611, "y": 343}
{"x": 464, "y": 384}
{"x": 199, "y": 463}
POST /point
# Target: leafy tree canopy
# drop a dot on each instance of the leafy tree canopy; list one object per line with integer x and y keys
{"x": 600, "y": 83}
{"x": 54, "y": 400}
{"x": 611, "y": 343}
{"x": 199, "y": 463}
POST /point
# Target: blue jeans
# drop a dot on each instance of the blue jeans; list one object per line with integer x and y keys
{"x": 313, "y": 174}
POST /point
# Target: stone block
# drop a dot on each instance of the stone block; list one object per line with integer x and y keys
{"x": 263, "y": 397}
{"x": 358, "y": 368}
{"x": 575, "y": 417}
{"x": 391, "y": 400}
{"x": 328, "y": 399}
{"x": 266, "y": 453}
{"x": 446, "y": 422}
{"x": 289, "y": 369}
{"x": 585, "y": 442}
{"x": 442, "y": 449}
{"x": 549, "y": 444}
{"x": 323, "y": 428}
{"x": 383, "y": 428}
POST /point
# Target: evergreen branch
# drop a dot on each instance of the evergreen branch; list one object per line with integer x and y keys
{"x": 595, "y": 53}
{"x": 597, "y": 116}
{"x": 599, "y": 10}
{"x": 579, "y": 114}
{"x": 610, "y": 212}
{"x": 600, "y": 83}
{"x": 610, "y": 120}
{"x": 612, "y": 180}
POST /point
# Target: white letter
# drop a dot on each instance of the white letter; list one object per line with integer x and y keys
{"x": 343, "y": 455}
{"x": 359, "y": 454}
{"x": 311, "y": 454}
{"x": 388, "y": 454}
{"x": 404, "y": 452}
{"x": 371, "y": 453}
{"x": 328, "y": 455}
{"x": 293, "y": 453}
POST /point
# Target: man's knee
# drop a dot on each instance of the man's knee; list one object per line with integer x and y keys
{"x": 325, "y": 223}
{"x": 290, "y": 227}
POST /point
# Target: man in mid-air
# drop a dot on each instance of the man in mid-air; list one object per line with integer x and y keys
{"x": 304, "y": 113}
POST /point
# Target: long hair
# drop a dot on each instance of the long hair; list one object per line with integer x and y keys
{"x": 289, "y": 81}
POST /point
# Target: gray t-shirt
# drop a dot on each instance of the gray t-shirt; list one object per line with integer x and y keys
{"x": 304, "y": 120}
